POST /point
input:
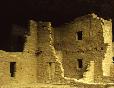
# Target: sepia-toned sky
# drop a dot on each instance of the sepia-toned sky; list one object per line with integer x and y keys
{"x": 57, "y": 11}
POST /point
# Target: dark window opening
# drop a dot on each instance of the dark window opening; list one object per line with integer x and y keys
{"x": 50, "y": 63}
{"x": 80, "y": 64}
{"x": 113, "y": 59}
{"x": 12, "y": 68}
{"x": 51, "y": 70}
{"x": 79, "y": 35}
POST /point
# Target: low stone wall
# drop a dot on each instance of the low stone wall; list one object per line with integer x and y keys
{"x": 94, "y": 85}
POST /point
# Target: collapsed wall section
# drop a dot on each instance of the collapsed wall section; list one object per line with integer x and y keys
{"x": 107, "y": 36}
{"x": 31, "y": 39}
{"x": 81, "y": 41}
{"x": 50, "y": 68}
{"x": 49, "y": 54}
{"x": 74, "y": 49}
{"x": 21, "y": 67}
{"x": 29, "y": 52}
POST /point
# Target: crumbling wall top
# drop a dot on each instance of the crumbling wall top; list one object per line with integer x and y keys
{"x": 99, "y": 18}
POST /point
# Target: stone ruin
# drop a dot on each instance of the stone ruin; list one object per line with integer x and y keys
{"x": 77, "y": 53}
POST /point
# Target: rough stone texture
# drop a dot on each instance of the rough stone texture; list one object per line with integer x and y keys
{"x": 48, "y": 62}
{"x": 113, "y": 48}
{"x": 31, "y": 40}
{"x": 89, "y": 75}
{"x": 26, "y": 63}
{"x": 91, "y": 48}
{"x": 107, "y": 34}
{"x": 57, "y": 56}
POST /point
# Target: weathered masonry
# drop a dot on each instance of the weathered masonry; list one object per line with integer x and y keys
{"x": 80, "y": 50}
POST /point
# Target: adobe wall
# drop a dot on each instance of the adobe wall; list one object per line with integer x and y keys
{"x": 50, "y": 54}
{"x": 26, "y": 62}
{"x": 91, "y": 47}
{"x": 113, "y": 48}
{"x": 49, "y": 66}
{"x": 25, "y": 68}
{"x": 38, "y": 62}
{"x": 107, "y": 34}
{"x": 112, "y": 65}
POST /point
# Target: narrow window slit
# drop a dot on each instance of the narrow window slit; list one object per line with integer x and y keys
{"x": 79, "y": 35}
{"x": 80, "y": 63}
{"x": 12, "y": 68}
{"x": 113, "y": 59}
{"x": 51, "y": 70}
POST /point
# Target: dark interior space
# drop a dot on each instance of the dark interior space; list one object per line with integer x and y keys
{"x": 80, "y": 63}
{"x": 12, "y": 68}
{"x": 79, "y": 34}
{"x": 57, "y": 11}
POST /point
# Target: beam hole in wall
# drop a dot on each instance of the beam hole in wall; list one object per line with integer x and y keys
{"x": 101, "y": 48}
{"x": 79, "y": 35}
{"x": 80, "y": 63}
{"x": 38, "y": 52}
{"x": 12, "y": 68}
{"x": 95, "y": 48}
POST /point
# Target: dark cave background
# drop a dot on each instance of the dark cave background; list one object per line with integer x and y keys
{"x": 57, "y": 11}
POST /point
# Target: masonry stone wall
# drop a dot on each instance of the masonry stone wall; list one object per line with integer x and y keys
{"x": 91, "y": 47}
{"x": 107, "y": 34}
{"x": 60, "y": 54}
{"x": 50, "y": 67}
{"x": 24, "y": 72}
{"x": 26, "y": 62}
{"x": 112, "y": 65}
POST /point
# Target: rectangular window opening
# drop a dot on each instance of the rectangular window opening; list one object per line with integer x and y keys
{"x": 51, "y": 70}
{"x": 79, "y": 35}
{"x": 113, "y": 59}
{"x": 12, "y": 68}
{"x": 80, "y": 63}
